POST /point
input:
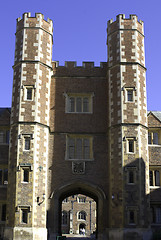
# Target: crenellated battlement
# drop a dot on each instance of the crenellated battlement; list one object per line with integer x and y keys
{"x": 37, "y": 16}
{"x": 119, "y": 17}
{"x": 122, "y": 23}
{"x": 37, "y": 21}
{"x": 73, "y": 64}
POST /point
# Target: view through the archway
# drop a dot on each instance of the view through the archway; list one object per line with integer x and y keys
{"x": 78, "y": 217}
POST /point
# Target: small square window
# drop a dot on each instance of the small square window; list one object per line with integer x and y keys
{"x": 28, "y": 94}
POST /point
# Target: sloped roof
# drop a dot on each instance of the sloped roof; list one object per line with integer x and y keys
{"x": 2, "y": 110}
{"x": 157, "y": 114}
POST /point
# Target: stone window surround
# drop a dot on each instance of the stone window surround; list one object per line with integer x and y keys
{"x": 25, "y": 88}
{"x": 81, "y": 215}
{"x": 134, "y": 210}
{"x": 153, "y": 170}
{"x": 155, "y": 214}
{"x": 128, "y": 141}
{"x": 127, "y": 89}
{"x": 75, "y": 137}
{"x": 81, "y": 199}
{"x": 128, "y": 170}
{"x": 89, "y": 96}
{"x": 151, "y": 137}
{"x": 23, "y": 136}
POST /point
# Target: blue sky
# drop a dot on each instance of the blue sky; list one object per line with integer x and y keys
{"x": 80, "y": 35}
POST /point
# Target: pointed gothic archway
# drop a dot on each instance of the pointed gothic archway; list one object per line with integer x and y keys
{"x": 76, "y": 187}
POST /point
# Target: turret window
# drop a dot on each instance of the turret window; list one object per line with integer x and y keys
{"x": 24, "y": 216}
{"x": 26, "y": 143}
{"x": 130, "y": 145}
{"x": 29, "y": 92}
{"x": 131, "y": 174}
{"x": 25, "y": 174}
{"x": 130, "y": 95}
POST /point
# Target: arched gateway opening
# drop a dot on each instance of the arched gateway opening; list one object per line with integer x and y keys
{"x": 79, "y": 214}
{"x": 73, "y": 189}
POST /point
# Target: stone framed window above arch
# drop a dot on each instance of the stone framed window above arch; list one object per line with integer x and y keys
{"x": 79, "y": 147}
{"x": 82, "y": 215}
{"x": 79, "y": 103}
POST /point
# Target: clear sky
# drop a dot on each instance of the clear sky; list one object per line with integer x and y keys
{"x": 80, "y": 35}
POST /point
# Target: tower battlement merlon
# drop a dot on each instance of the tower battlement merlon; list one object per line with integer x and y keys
{"x": 37, "y": 21}
{"x": 122, "y": 22}
{"x": 73, "y": 64}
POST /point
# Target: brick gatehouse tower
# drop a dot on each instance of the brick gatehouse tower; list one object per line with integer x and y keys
{"x": 78, "y": 130}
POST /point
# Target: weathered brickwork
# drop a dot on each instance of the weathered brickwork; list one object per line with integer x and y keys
{"x": 81, "y": 130}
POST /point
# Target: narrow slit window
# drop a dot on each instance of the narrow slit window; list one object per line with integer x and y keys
{"x": 29, "y": 93}
{"x": 5, "y": 176}
{"x": 24, "y": 216}
{"x": 78, "y": 104}
{"x": 155, "y": 138}
{"x": 71, "y": 104}
{"x": 1, "y": 177}
{"x": 27, "y": 143}
{"x": 131, "y": 217}
{"x": 157, "y": 178}
{"x": 131, "y": 176}
{"x": 130, "y": 95}
{"x": 85, "y": 104}
{"x": 151, "y": 178}
{"x": 26, "y": 175}
{"x": 3, "y": 216}
{"x": 131, "y": 145}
